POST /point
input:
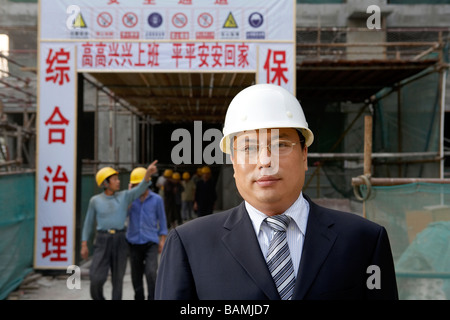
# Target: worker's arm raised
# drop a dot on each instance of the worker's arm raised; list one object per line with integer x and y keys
{"x": 151, "y": 170}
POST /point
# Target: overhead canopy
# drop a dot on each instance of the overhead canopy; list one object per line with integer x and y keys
{"x": 185, "y": 97}
{"x": 178, "y": 97}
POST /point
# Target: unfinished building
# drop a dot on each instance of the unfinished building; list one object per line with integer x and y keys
{"x": 352, "y": 62}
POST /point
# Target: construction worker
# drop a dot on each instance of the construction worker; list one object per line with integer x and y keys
{"x": 161, "y": 180}
{"x": 146, "y": 233}
{"x": 278, "y": 243}
{"x": 197, "y": 175}
{"x": 177, "y": 191}
{"x": 108, "y": 211}
{"x": 205, "y": 193}
{"x": 187, "y": 197}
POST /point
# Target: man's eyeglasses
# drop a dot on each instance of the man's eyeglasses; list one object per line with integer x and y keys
{"x": 280, "y": 147}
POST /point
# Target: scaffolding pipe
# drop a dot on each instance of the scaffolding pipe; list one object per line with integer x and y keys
{"x": 442, "y": 86}
{"x": 374, "y": 155}
{"x": 357, "y": 181}
{"x": 368, "y": 145}
{"x": 18, "y": 89}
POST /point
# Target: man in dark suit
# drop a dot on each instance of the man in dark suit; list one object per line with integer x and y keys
{"x": 325, "y": 254}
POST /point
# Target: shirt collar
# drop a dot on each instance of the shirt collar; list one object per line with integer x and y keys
{"x": 298, "y": 211}
{"x": 148, "y": 196}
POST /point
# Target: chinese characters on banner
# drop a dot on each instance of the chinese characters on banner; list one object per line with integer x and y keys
{"x": 275, "y": 61}
{"x": 56, "y": 157}
{"x": 166, "y": 56}
{"x": 255, "y": 36}
{"x": 277, "y": 65}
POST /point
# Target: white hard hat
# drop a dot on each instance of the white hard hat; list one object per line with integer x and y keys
{"x": 264, "y": 106}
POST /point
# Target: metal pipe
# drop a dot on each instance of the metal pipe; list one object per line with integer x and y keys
{"x": 368, "y": 44}
{"x": 375, "y": 155}
{"x": 357, "y": 181}
{"x": 368, "y": 145}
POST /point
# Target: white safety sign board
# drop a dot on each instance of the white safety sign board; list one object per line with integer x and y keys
{"x": 55, "y": 172}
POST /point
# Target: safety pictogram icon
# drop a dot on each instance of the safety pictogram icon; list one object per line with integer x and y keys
{"x": 104, "y": 19}
{"x": 79, "y": 22}
{"x": 230, "y": 22}
{"x": 179, "y": 20}
{"x": 130, "y": 19}
{"x": 256, "y": 19}
{"x": 205, "y": 20}
{"x": 155, "y": 20}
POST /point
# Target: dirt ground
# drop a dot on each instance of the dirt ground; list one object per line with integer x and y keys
{"x": 39, "y": 286}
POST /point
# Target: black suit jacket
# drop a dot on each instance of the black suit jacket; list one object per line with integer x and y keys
{"x": 218, "y": 257}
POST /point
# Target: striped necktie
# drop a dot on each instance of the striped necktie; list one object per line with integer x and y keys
{"x": 278, "y": 257}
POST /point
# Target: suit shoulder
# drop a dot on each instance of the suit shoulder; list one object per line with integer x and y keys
{"x": 202, "y": 232}
{"x": 351, "y": 227}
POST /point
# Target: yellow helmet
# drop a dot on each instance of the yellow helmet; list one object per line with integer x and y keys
{"x": 104, "y": 173}
{"x": 206, "y": 169}
{"x": 186, "y": 175}
{"x": 176, "y": 176}
{"x": 168, "y": 173}
{"x": 137, "y": 175}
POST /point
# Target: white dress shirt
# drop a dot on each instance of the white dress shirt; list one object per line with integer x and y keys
{"x": 295, "y": 233}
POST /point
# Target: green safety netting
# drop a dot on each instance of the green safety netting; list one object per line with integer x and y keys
{"x": 407, "y": 120}
{"x": 17, "y": 214}
{"x": 417, "y": 218}
{"x": 17, "y": 217}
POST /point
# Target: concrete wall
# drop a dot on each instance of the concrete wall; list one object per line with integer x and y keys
{"x": 18, "y": 14}
{"x": 337, "y": 15}
{"x": 117, "y": 138}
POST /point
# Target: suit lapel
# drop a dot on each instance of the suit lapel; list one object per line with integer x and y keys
{"x": 241, "y": 241}
{"x": 319, "y": 240}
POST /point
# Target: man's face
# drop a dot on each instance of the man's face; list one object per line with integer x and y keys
{"x": 269, "y": 181}
{"x": 114, "y": 183}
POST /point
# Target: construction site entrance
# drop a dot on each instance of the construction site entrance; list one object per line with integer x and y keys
{"x": 147, "y": 48}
